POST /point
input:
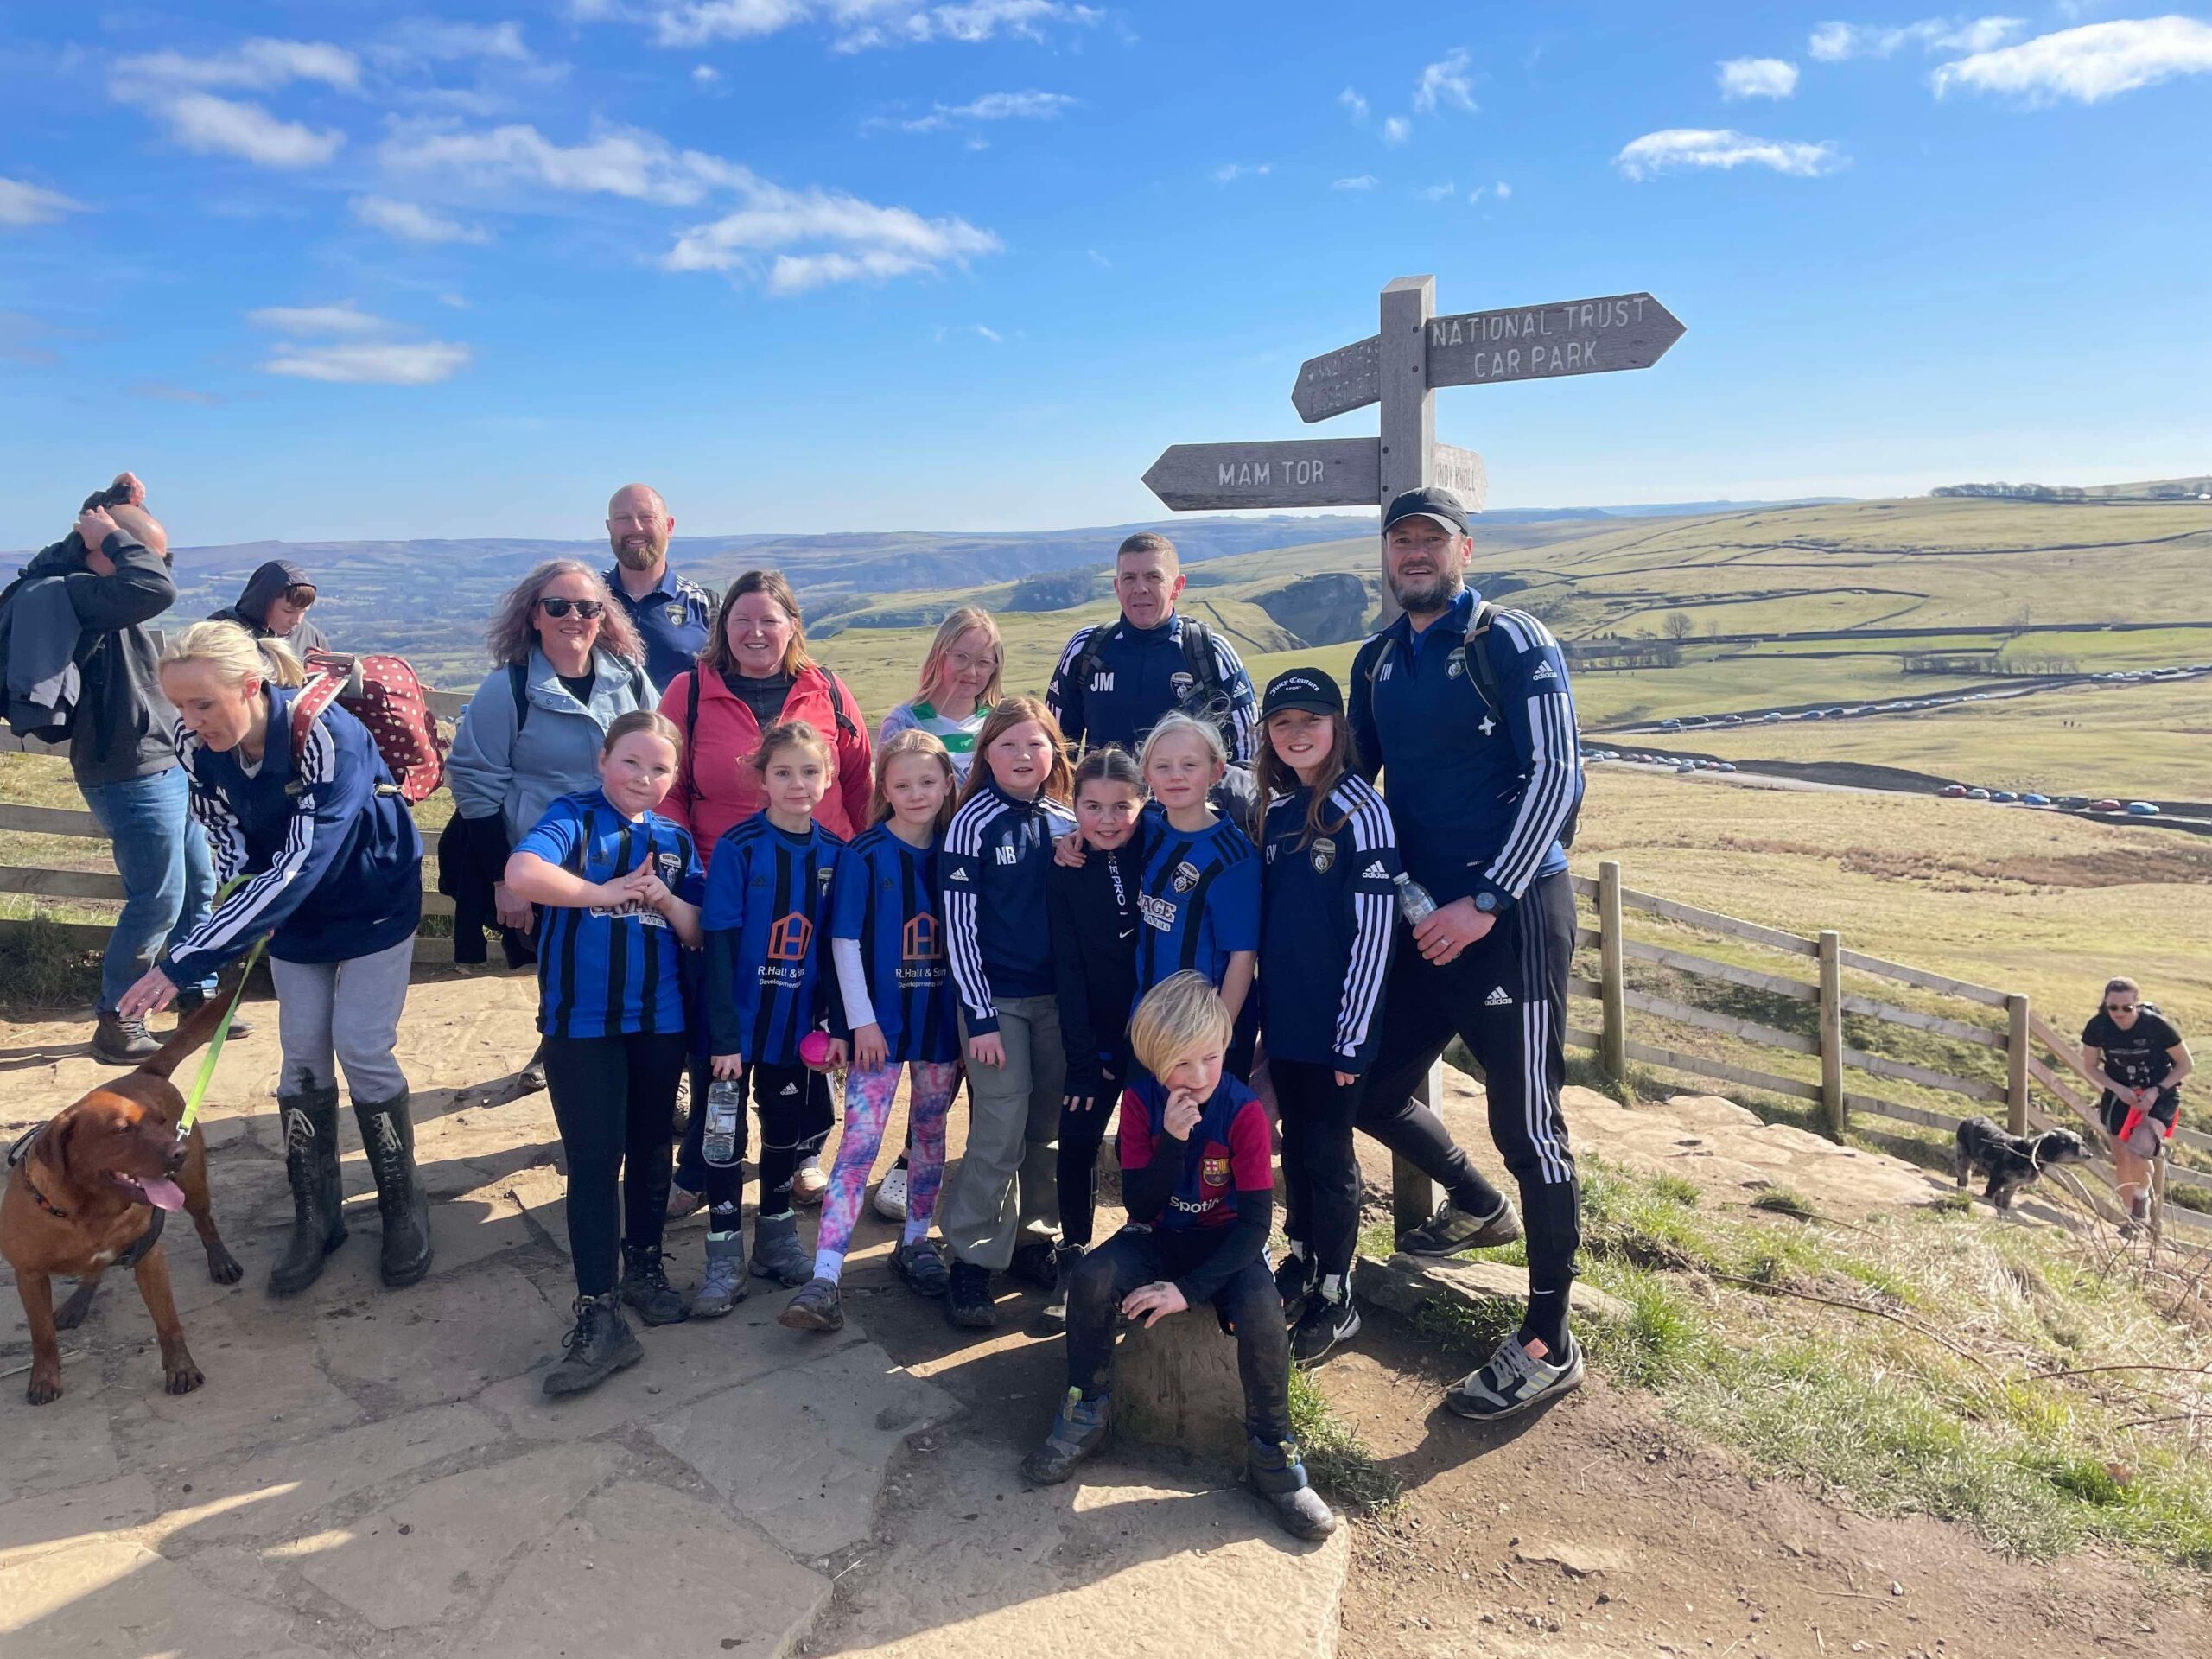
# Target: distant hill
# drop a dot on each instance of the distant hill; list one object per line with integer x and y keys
{"x": 2161, "y": 489}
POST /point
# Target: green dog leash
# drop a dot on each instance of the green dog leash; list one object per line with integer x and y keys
{"x": 199, "y": 1089}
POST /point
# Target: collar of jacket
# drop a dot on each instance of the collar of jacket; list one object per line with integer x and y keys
{"x": 1171, "y": 630}
{"x": 1453, "y": 622}
{"x": 609, "y": 673}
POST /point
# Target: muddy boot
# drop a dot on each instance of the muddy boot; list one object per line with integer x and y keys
{"x": 1079, "y": 1429}
{"x": 310, "y": 1120}
{"x": 818, "y": 1307}
{"x": 1273, "y": 1471}
{"x": 118, "y": 1041}
{"x": 601, "y": 1344}
{"x": 721, "y": 1286}
{"x": 388, "y": 1138}
{"x": 776, "y": 1253}
{"x": 644, "y": 1286}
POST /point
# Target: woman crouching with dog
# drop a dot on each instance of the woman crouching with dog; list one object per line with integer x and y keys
{"x": 314, "y": 848}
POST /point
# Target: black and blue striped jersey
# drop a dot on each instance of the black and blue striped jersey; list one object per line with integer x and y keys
{"x": 884, "y": 896}
{"x": 1325, "y": 926}
{"x": 767, "y": 952}
{"x": 1198, "y": 900}
{"x": 606, "y": 972}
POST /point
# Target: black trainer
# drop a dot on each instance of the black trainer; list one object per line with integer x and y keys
{"x": 644, "y": 1286}
{"x": 968, "y": 1298}
{"x": 816, "y": 1307}
{"x": 1452, "y": 1230}
{"x": 1295, "y": 1284}
{"x": 601, "y": 1344}
{"x": 922, "y": 1268}
{"x": 1321, "y": 1327}
{"x": 1036, "y": 1261}
{"x": 1274, "y": 1471}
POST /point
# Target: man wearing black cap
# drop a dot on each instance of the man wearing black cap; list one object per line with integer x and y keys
{"x": 1467, "y": 708}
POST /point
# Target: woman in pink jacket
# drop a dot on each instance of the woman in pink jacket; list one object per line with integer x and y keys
{"x": 755, "y": 671}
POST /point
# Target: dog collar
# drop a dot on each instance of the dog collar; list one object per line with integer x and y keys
{"x": 20, "y": 1154}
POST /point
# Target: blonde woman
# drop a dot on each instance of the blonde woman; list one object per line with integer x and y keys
{"x": 303, "y": 818}
{"x": 959, "y": 683}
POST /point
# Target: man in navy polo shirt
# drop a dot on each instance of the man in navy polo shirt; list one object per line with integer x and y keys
{"x": 1115, "y": 679}
{"x": 673, "y": 615}
{"x": 1465, "y": 709}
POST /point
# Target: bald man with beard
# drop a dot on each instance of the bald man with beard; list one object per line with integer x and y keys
{"x": 673, "y": 615}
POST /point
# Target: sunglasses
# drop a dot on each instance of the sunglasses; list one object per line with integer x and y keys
{"x": 589, "y": 609}
{"x": 2119, "y": 1007}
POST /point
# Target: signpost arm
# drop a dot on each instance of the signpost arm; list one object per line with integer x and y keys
{"x": 1409, "y": 436}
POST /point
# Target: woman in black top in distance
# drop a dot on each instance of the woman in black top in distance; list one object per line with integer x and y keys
{"x": 1094, "y": 918}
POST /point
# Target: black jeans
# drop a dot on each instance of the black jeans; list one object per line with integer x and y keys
{"x": 613, "y": 1098}
{"x": 1321, "y": 1170}
{"x": 1249, "y": 1303}
{"x": 1506, "y": 997}
{"x": 794, "y": 1102}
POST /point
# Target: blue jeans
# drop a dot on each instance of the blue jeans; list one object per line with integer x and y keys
{"x": 168, "y": 879}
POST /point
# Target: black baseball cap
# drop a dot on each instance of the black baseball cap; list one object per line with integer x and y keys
{"x": 1302, "y": 688}
{"x": 1430, "y": 501}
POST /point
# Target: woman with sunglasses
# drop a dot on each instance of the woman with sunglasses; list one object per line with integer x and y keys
{"x": 568, "y": 664}
{"x": 2140, "y": 1060}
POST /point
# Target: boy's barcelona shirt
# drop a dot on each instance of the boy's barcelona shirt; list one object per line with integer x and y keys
{"x": 1227, "y": 1151}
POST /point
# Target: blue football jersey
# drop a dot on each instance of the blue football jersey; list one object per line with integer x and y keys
{"x": 886, "y": 896}
{"x": 767, "y": 904}
{"x": 1198, "y": 900}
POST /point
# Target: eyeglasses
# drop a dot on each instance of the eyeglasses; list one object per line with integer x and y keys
{"x": 589, "y": 609}
{"x": 961, "y": 661}
{"x": 2119, "y": 1007}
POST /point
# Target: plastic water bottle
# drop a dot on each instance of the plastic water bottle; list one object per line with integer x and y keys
{"x": 1414, "y": 901}
{"x": 725, "y": 1100}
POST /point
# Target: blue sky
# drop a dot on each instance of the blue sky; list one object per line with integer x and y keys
{"x": 347, "y": 270}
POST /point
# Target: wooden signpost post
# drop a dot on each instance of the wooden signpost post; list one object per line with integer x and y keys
{"x": 1400, "y": 367}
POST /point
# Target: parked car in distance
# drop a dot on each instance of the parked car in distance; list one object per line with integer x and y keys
{"x": 2106, "y": 805}
{"x": 1953, "y": 791}
{"x": 2033, "y": 799}
{"x": 2003, "y": 797}
{"x": 1725, "y": 765}
{"x": 2142, "y": 809}
{"x": 1977, "y": 794}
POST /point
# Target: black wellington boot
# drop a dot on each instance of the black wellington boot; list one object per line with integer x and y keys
{"x": 388, "y": 1138}
{"x": 310, "y": 1120}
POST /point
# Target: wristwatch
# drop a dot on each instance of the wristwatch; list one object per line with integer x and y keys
{"x": 1486, "y": 903}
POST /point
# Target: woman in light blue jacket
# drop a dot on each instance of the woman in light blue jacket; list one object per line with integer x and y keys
{"x": 568, "y": 662}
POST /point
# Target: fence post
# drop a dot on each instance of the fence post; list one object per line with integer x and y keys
{"x": 2016, "y": 1061}
{"x": 1832, "y": 1031}
{"x": 1613, "y": 980}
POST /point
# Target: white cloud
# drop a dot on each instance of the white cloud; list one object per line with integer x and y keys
{"x": 1354, "y": 103}
{"x": 343, "y": 318}
{"x": 1396, "y": 129}
{"x": 628, "y": 162}
{"x": 409, "y": 221}
{"x": 995, "y": 106}
{"x": 1364, "y": 181}
{"x": 227, "y": 126}
{"x": 1229, "y": 172}
{"x": 447, "y": 42}
{"x": 1446, "y": 82}
{"x": 377, "y": 362}
{"x": 1757, "y": 77}
{"x": 856, "y": 25}
{"x": 705, "y": 73}
{"x": 1678, "y": 147}
{"x": 1502, "y": 189}
{"x": 259, "y": 64}
{"x": 1835, "y": 43}
{"x": 23, "y": 204}
{"x": 1437, "y": 192}
{"x": 820, "y": 237}
{"x": 2096, "y": 61}
{"x": 695, "y": 23}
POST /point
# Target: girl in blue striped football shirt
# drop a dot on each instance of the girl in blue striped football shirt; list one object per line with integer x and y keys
{"x": 618, "y": 887}
{"x": 887, "y": 939}
{"x": 767, "y": 911}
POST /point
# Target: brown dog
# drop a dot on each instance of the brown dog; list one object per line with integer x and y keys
{"x": 88, "y": 1186}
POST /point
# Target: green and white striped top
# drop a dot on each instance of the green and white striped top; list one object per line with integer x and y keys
{"x": 959, "y": 736}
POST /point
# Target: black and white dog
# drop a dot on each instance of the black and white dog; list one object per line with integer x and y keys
{"x": 2011, "y": 1161}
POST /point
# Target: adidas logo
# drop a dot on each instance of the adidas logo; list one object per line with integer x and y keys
{"x": 1497, "y": 999}
{"x": 1375, "y": 872}
{"x": 1543, "y": 672}
{"x": 793, "y": 1088}
{"x": 961, "y": 876}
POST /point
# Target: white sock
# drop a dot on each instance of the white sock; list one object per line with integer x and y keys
{"x": 1332, "y": 1286}
{"x": 830, "y": 1264}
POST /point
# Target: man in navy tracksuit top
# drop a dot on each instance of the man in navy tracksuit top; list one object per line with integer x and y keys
{"x": 1481, "y": 795}
{"x": 1115, "y": 679}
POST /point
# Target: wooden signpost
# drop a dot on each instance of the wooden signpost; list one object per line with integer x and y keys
{"x": 1400, "y": 367}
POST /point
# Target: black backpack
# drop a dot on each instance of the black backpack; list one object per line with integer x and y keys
{"x": 845, "y": 727}
{"x": 519, "y": 688}
{"x": 1200, "y": 660}
{"x": 1482, "y": 674}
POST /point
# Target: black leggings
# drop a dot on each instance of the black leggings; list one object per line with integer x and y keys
{"x": 1321, "y": 1170}
{"x": 794, "y": 1102}
{"x": 1082, "y": 1133}
{"x": 614, "y": 1098}
{"x": 1248, "y": 1303}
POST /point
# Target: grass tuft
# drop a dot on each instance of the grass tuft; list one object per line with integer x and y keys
{"x": 1335, "y": 1457}
{"x": 1785, "y": 1201}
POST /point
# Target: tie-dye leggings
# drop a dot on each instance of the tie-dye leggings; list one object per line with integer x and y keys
{"x": 867, "y": 1108}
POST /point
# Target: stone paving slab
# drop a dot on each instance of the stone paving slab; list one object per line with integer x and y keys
{"x": 105, "y": 1597}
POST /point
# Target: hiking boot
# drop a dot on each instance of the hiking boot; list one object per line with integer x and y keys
{"x": 1452, "y": 1230}
{"x": 968, "y": 1296}
{"x": 816, "y": 1307}
{"x": 1271, "y": 1469}
{"x": 644, "y": 1286}
{"x": 807, "y": 1182}
{"x": 1036, "y": 1261}
{"x": 188, "y": 1002}
{"x": 722, "y": 1284}
{"x": 1295, "y": 1284}
{"x": 1321, "y": 1327}
{"x": 1079, "y": 1429}
{"x": 388, "y": 1138}
{"x": 311, "y": 1166}
{"x": 601, "y": 1344}
{"x": 1513, "y": 1381}
{"x": 776, "y": 1253}
{"x": 922, "y": 1268}
{"x": 118, "y": 1041}
{"x": 682, "y": 1201}
{"x": 530, "y": 1079}
{"x": 1064, "y": 1260}
{"x": 891, "y": 1194}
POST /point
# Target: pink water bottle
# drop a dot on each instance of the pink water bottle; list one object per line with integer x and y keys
{"x": 814, "y": 1049}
